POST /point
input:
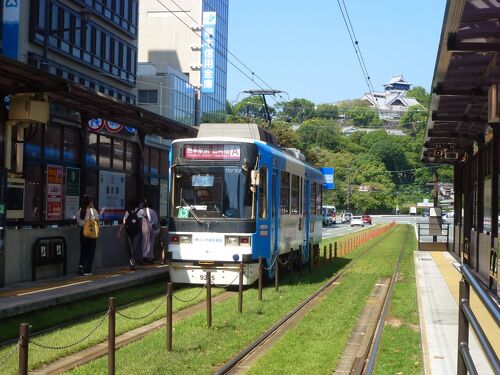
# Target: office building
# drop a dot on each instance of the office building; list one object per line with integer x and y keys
{"x": 191, "y": 37}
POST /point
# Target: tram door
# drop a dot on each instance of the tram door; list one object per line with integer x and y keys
{"x": 274, "y": 213}
{"x": 307, "y": 219}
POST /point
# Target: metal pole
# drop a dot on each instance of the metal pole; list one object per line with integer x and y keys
{"x": 169, "y": 316}
{"x": 260, "y": 278}
{"x": 276, "y": 273}
{"x": 240, "y": 290}
{"x": 111, "y": 336}
{"x": 463, "y": 326}
{"x": 209, "y": 299}
{"x": 23, "y": 348}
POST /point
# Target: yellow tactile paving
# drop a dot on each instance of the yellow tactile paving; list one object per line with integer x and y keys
{"x": 67, "y": 282}
{"x": 452, "y": 278}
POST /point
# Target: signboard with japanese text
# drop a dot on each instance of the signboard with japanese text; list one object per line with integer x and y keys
{"x": 328, "y": 183}
{"x": 55, "y": 181}
{"x": 10, "y": 28}
{"x": 72, "y": 192}
{"x": 111, "y": 195}
{"x": 208, "y": 52}
{"x": 212, "y": 152}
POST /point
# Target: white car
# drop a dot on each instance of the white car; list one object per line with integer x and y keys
{"x": 357, "y": 220}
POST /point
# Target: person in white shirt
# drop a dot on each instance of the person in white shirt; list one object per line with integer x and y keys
{"x": 150, "y": 228}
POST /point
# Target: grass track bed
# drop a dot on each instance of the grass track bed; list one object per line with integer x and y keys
{"x": 198, "y": 350}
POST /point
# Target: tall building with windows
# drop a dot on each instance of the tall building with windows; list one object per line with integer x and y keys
{"x": 190, "y": 36}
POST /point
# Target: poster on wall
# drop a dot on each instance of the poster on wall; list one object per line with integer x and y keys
{"x": 111, "y": 195}
{"x": 55, "y": 180}
{"x": 163, "y": 198}
{"x": 72, "y": 196}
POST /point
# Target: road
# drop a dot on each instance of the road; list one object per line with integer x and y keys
{"x": 340, "y": 229}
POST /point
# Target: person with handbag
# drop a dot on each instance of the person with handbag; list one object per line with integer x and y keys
{"x": 88, "y": 221}
{"x": 150, "y": 229}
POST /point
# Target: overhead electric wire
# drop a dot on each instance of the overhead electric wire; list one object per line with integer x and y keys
{"x": 215, "y": 47}
{"x": 357, "y": 49}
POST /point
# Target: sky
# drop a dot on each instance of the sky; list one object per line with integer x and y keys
{"x": 304, "y": 49}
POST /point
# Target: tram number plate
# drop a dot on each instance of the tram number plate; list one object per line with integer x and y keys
{"x": 204, "y": 277}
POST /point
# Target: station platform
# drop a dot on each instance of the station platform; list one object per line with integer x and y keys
{"x": 20, "y": 298}
{"x": 437, "y": 276}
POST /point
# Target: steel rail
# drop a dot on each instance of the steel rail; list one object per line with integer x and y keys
{"x": 372, "y": 357}
{"x": 232, "y": 363}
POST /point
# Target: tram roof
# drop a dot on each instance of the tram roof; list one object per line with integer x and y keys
{"x": 18, "y": 77}
{"x": 467, "y": 65}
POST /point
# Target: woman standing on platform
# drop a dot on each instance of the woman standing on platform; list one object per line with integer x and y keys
{"x": 87, "y": 245}
{"x": 150, "y": 228}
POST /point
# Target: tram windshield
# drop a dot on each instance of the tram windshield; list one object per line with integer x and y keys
{"x": 211, "y": 192}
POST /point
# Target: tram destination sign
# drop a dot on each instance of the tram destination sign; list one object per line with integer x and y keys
{"x": 212, "y": 152}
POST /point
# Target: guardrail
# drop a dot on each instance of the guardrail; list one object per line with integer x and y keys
{"x": 467, "y": 318}
{"x": 426, "y": 230}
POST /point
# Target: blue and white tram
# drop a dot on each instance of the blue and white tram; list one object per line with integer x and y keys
{"x": 234, "y": 199}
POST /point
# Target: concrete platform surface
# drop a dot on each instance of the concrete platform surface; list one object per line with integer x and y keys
{"x": 438, "y": 277}
{"x": 20, "y": 298}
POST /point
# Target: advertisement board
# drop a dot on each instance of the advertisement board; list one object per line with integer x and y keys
{"x": 208, "y": 52}
{"x": 72, "y": 192}
{"x": 55, "y": 181}
{"x": 111, "y": 195}
{"x": 328, "y": 174}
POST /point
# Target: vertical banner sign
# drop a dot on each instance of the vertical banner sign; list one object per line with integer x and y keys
{"x": 72, "y": 196}
{"x": 10, "y": 28}
{"x": 55, "y": 179}
{"x": 112, "y": 195}
{"x": 208, "y": 52}
{"x": 328, "y": 183}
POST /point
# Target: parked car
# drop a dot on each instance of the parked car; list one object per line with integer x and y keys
{"x": 357, "y": 220}
{"x": 348, "y": 216}
{"x": 366, "y": 219}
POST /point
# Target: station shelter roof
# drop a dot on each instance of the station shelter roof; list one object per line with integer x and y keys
{"x": 467, "y": 65}
{"x": 17, "y": 77}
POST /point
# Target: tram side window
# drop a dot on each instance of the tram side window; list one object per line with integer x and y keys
{"x": 295, "y": 201}
{"x": 263, "y": 193}
{"x": 319, "y": 198}
{"x": 284, "y": 192}
{"x": 312, "y": 200}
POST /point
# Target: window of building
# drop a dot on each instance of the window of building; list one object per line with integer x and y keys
{"x": 91, "y": 157}
{"x": 104, "y": 151}
{"x": 154, "y": 165}
{"x": 53, "y": 142}
{"x": 284, "y": 192}
{"x": 163, "y": 163}
{"x": 148, "y": 97}
{"x": 118, "y": 154}
{"x": 71, "y": 144}
{"x": 145, "y": 158}
{"x": 319, "y": 198}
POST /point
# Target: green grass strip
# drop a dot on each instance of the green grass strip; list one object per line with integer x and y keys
{"x": 199, "y": 350}
{"x": 70, "y": 334}
{"x": 400, "y": 349}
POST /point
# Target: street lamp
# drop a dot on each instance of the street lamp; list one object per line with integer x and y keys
{"x": 84, "y": 16}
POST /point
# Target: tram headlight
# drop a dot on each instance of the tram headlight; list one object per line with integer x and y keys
{"x": 185, "y": 238}
{"x": 237, "y": 241}
{"x": 232, "y": 241}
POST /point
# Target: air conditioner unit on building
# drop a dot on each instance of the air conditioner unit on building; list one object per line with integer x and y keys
{"x": 29, "y": 108}
{"x": 451, "y": 155}
{"x": 494, "y": 104}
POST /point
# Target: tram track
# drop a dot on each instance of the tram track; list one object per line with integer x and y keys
{"x": 365, "y": 364}
{"x": 242, "y": 361}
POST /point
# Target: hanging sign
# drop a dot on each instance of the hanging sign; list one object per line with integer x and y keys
{"x": 328, "y": 173}
{"x": 112, "y": 195}
{"x": 208, "y": 52}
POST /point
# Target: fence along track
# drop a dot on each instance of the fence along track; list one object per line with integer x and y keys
{"x": 232, "y": 364}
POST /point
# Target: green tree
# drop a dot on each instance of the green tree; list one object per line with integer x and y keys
{"x": 419, "y": 93}
{"x": 252, "y": 109}
{"x": 327, "y": 111}
{"x": 414, "y": 120}
{"x": 319, "y": 132}
{"x": 363, "y": 117}
{"x": 284, "y": 134}
{"x": 296, "y": 110}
